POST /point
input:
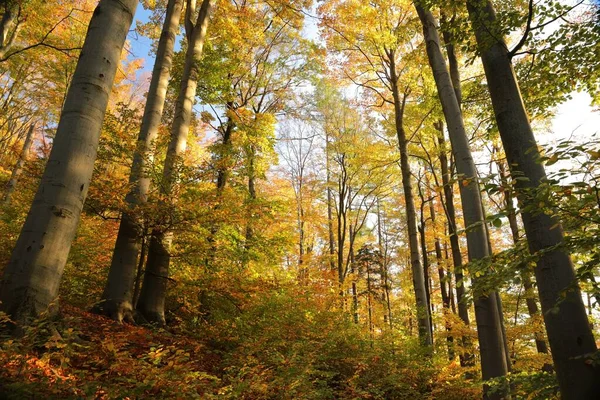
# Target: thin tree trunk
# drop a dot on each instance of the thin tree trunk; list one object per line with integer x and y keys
{"x": 567, "y": 325}
{"x": 411, "y": 220}
{"x": 489, "y": 324}
{"x": 425, "y": 254}
{"x": 152, "y": 297}
{"x": 117, "y": 298}
{"x": 252, "y": 200}
{"x": 18, "y": 169}
{"x": 443, "y": 279}
{"x": 369, "y": 300}
{"x": 384, "y": 266}
{"x": 140, "y": 272}
{"x": 224, "y": 169}
{"x": 32, "y": 277}
{"x": 329, "y": 205}
{"x": 355, "y": 273}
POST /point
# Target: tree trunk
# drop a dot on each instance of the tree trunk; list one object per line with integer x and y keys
{"x": 511, "y": 214}
{"x": 426, "y": 270}
{"x": 329, "y": 205}
{"x": 355, "y": 274}
{"x": 452, "y": 59}
{"x": 443, "y": 279}
{"x": 116, "y": 301}
{"x": 140, "y": 272}
{"x": 384, "y": 266}
{"x": 568, "y": 329}
{"x": 489, "y": 326}
{"x": 411, "y": 216}
{"x": 251, "y": 203}
{"x": 32, "y": 277}
{"x": 152, "y": 297}
{"x": 18, "y": 169}
{"x": 10, "y": 24}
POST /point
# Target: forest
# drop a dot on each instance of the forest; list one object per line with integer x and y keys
{"x": 297, "y": 199}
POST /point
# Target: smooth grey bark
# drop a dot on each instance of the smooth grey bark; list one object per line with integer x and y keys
{"x": 567, "y": 326}
{"x": 448, "y": 37}
{"x": 117, "y": 299}
{"x": 151, "y": 304}
{"x": 487, "y": 311}
{"x": 466, "y": 357}
{"x": 411, "y": 216}
{"x": 18, "y": 169}
{"x": 32, "y": 277}
{"x": 10, "y": 25}
{"x": 530, "y": 295}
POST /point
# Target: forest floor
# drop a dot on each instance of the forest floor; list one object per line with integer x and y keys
{"x": 94, "y": 357}
{"x": 264, "y": 355}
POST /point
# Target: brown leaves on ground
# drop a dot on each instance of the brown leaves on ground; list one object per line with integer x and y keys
{"x": 97, "y": 358}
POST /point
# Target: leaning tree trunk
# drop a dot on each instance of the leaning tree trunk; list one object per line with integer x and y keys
{"x": 154, "y": 289}
{"x": 18, "y": 169}
{"x": 567, "y": 326}
{"x": 116, "y": 301}
{"x": 411, "y": 215}
{"x": 489, "y": 326}
{"x": 32, "y": 277}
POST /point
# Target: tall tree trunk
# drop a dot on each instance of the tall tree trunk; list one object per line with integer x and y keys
{"x": 452, "y": 59}
{"x": 442, "y": 277}
{"x": 466, "y": 357}
{"x": 568, "y": 329}
{"x": 426, "y": 270}
{"x": 489, "y": 324}
{"x": 251, "y": 203}
{"x": 116, "y": 301}
{"x": 411, "y": 215}
{"x": 152, "y": 297}
{"x": 329, "y": 205}
{"x": 384, "y": 266}
{"x": 32, "y": 277}
{"x": 18, "y": 169}
{"x": 355, "y": 273}
{"x": 511, "y": 214}
{"x": 139, "y": 273}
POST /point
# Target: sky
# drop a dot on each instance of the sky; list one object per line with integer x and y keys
{"x": 574, "y": 119}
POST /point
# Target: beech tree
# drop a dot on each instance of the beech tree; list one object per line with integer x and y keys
{"x": 487, "y": 311}
{"x": 31, "y": 279}
{"x": 117, "y": 298}
{"x": 152, "y": 297}
{"x": 569, "y": 334}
